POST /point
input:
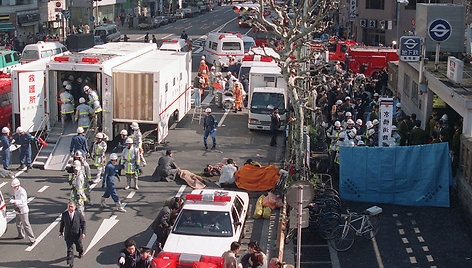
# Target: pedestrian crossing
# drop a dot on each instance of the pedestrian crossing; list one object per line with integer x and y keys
{"x": 198, "y": 45}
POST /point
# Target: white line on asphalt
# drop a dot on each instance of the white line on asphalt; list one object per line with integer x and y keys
{"x": 141, "y": 37}
{"x": 43, "y": 234}
{"x": 106, "y": 226}
{"x": 409, "y": 250}
{"x": 413, "y": 260}
{"x": 43, "y": 189}
{"x": 164, "y": 37}
{"x": 19, "y": 173}
{"x": 377, "y": 251}
{"x": 417, "y": 230}
{"x": 154, "y": 237}
{"x": 131, "y": 194}
{"x": 228, "y": 11}
{"x": 217, "y": 29}
{"x": 430, "y": 258}
{"x": 248, "y": 31}
{"x": 425, "y": 248}
{"x": 198, "y": 50}
{"x": 223, "y": 118}
{"x": 2, "y": 184}
{"x": 95, "y": 183}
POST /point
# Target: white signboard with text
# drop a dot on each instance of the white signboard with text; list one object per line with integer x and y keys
{"x": 455, "y": 69}
{"x": 386, "y": 117}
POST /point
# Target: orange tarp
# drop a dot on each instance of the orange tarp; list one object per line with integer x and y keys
{"x": 253, "y": 178}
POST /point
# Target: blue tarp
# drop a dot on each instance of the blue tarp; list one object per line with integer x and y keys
{"x": 404, "y": 175}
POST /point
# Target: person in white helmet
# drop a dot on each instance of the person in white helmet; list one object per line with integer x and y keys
{"x": 98, "y": 153}
{"x": 131, "y": 163}
{"x": 94, "y": 101}
{"x": 212, "y": 79}
{"x": 394, "y": 139}
{"x": 398, "y": 113}
{"x": 219, "y": 64}
{"x": 77, "y": 194}
{"x": 333, "y": 133}
{"x": 88, "y": 175}
{"x": 25, "y": 139}
{"x": 20, "y": 200}
{"x": 109, "y": 183}
{"x": 359, "y": 127}
{"x": 67, "y": 104}
{"x": 5, "y": 142}
{"x": 203, "y": 67}
{"x": 79, "y": 142}
{"x": 347, "y": 117}
{"x": 83, "y": 114}
{"x": 210, "y": 124}
{"x": 122, "y": 141}
{"x": 138, "y": 141}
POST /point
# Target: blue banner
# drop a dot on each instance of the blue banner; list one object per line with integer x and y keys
{"x": 404, "y": 175}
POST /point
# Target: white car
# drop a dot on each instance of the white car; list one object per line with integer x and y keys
{"x": 3, "y": 215}
{"x": 210, "y": 220}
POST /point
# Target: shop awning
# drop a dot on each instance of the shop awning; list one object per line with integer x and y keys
{"x": 6, "y": 27}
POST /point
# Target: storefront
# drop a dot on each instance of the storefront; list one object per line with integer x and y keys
{"x": 27, "y": 22}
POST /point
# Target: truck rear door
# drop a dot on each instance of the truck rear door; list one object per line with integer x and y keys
{"x": 31, "y": 99}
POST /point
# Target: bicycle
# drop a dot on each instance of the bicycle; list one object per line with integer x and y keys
{"x": 365, "y": 224}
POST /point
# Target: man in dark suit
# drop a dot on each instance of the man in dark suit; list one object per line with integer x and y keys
{"x": 74, "y": 224}
{"x": 166, "y": 169}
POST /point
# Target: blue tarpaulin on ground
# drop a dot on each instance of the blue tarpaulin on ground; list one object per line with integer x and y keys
{"x": 403, "y": 175}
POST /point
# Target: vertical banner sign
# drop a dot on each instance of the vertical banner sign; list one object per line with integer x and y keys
{"x": 386, "y": 116}
{"x": 308, "y": 151}
{"x": 352, "y": 10}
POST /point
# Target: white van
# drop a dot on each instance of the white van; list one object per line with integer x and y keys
{"x": 223, "y": 45}
{"x": 3, "y": 215}
{"x": 41, "y": 50}
{"x": 106, "y": 33}
{"x": 178, "y": 45}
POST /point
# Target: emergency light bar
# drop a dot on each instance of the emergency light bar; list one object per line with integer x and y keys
{"x": 90, "y": 60}
{"x": 221, "y": 36}
{"x": 61, "y": 58}
{"x": 208, "y": 197}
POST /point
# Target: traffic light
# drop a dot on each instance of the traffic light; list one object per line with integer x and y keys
{"x": 58, "y": 16}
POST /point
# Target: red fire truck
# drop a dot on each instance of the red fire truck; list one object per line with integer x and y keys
{"x": 369, "y": 60}
{"x": 5, "y": 100}
{"x": 337, "y": 49}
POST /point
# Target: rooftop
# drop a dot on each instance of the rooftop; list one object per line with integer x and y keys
{"x": 464, "y": 89}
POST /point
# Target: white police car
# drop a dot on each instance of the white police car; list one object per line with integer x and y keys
{"x": 210, "y": 220}
{"x": 3, "y": 215}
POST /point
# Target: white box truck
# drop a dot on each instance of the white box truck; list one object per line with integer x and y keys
{"x": 267, "y": 90}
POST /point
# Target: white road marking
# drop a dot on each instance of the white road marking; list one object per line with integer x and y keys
{"x": 413, "y": 260}
{"x": 405, "y": 240}
{"x": 425, "y": 248}
{"x": 95, "y": 183}
{"x": 2, "y": 184}
{"x": 430, "y": 258}
{"x": 377, "y": 252}
{"x": 141, "y": 37}
{"x": 395, "y": 215}
{"x": 417, "y": 230}
{"x": 398, "y": 223}
{"x": 181, "y": 190}
{"x": 248, "y": 31}
{"x": 44, "y": 233}
{"x": 19, "y": 173}
{"x": 401, "y": 231}
{"x": 43, "y": 189}
{"x": 131, "y": 194}
{"x": 409, "y": 250}
{"x": 420, "y": 239}
{"x": 217, "y": 29}
{"x": 198, "y": 50}
{"x": 223, "y": 119}
{"x": 164, "y": 37}
{"x": 106, "y": 226}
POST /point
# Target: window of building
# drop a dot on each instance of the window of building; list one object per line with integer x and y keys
{"x": 374, "y": 4}
{"x": 373, "y": 37}
{"x": 414, "y": 92}
{"x": 412, "y": 3}
{"x": 406, "y": 85}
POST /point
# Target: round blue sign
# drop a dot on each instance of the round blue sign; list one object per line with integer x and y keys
{"x": 92, "y": 18}
{"x": 439, "y": 30}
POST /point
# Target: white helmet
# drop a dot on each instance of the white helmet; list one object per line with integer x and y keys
{"x": 86, "y": 89}
{"x": 347, "y": 98}
{"x": 399, "y": 105}
{"x": 371, "y": 131}
{"x": 129, "y": 140}
{"x": 68, "y": 87}
{"x": 228, "y": 73}
{"x": 359, "y": 122}
{"x": 350, "y": 143}
{"x": 15, "y": 182}
{"x": 134, "y": 125}
{"x": 444, "y": 117}
{"x": 208, "y": 110}
{"x": 360, "y": 143}
{"x": 19, "y": 130}
{"x": 203, "y": 57}
{"x": 78, "y": 154}
{"x": 77, "y": 164}
{"x": 124, "y": 132}
{"x": 324, "y": 124}
{"x": 394, "y": 128}
{"x": 348, "y": 114}
{"x": 113, "y": 156}
{"x": 202, "y": 61}
{"x": 213, "y": 68}
{"x": 80, "y": 130}
{"x": 359, "y": 138}
{"x": 81, "y": 100}
{"x": 5, "y": 130}
{"x": 375, "y": 122}
{"x": 65, "y": 83}
{"x": 337, "y": 124}
{"x": 369, "y": 124}
{"x": 339, "y": 102}
{"x": 342, "y": 135}
{"x": 99, "y": 135}
{"x": 376, "y": 94}
{"x": 350, "y": 121}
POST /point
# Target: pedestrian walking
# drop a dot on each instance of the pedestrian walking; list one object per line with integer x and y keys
{"x": 98, "y": 153}
{"x": 131, "y": 163}
{"x": 77, "y": 193}
{"x": 109, "y": 184}
{"x": 274, "y": 126}
{"x": 67, "y": 104}
{"x": 184, "y": 35}
{"x": 197, "y": 85}
{"x": 88, "y": 176}
{"x": 238, "y": 98}
{"x": 20, "y": 200}
{"x": 209, "y": 127}
{"x": 129, "y": 256}
{"x": 5, "y": 142}
{"x": 146, "y": 38}
{"x": 83, "y": 114}
{"x": 72, "y": 228}
{"x": 25, "y": 139}
{"x": 79, "y": 142}
{"x": 229, "y": 257}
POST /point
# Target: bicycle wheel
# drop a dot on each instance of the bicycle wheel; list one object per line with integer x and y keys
{"x": 327, "y": 224}
{"x": 372, "y": 228}
{"x": 342, "y": 240}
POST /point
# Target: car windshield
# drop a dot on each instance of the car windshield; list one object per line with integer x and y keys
{"x": 263, "y": 102}
{"x": 100, "y": 32}
{"x": 249, "y": 45}
{"x": 231, "y": 46}
{"x": 204, "y": 223}
{"x": 30, "y": 55}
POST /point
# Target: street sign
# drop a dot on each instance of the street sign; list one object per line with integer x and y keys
{"x": 58, "y": 4}
{"x": 439, "y": 30}
{"x": 386, "y": 118}
{"x": 292, "y": 193}
{"x": 92, "y": 18}
{"x": 410, "y": 48}
{"x": 66, "y": 13}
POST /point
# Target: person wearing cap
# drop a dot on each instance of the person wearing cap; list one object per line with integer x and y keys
{"x": 99, "y": 148}
{"x": 88, "y": 175}
{"x": 77, "y": 194}
{"x": 335, "y": 109}
{"x": 20, "y": 201}
{"x": 137, "y": 137}
{"x": 359, "y": 127}
{"x": 212, "y": 79}
{"x": 238, "y": 97}
{"x": 72, "y": 227}
{"x": 83, "y": 114}
{"x": 333, "y": 134}
{"x": 219, "y": 64}
{"x": 129, "y": 256}
{"x": 67, "y": 104}
{"x": 394, "y": 140}
{"x": 94, "y": 101}
{"x": 203, "y": 67}
{"x": 375, "y": 101}
{"x": 347, "y": 105}
{"x": 166, "y": 169}
{"x": 398, "y": 114}
{"x": 131, "y": 163}
{"x": 209, "y": 127}
{"x": 24, "y": 140}
{"x": 122, "y": 141}
{"x": 79, "y": 142}
{"x": 347, "y": 117}
{"x": 109, "y": 183}
{"x": 5, "y": 142}
{"x": 145, "y": 258}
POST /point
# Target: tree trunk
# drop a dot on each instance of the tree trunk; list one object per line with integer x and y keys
{"x": 297, "y": 142}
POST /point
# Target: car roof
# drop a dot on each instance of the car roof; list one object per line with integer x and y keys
{"x": 211, "y": 205}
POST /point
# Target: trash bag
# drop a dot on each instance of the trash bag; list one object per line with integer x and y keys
{"x": 266, "y": 213}
{"x": 258, "y": 211}
{"x": 272, "y": 201}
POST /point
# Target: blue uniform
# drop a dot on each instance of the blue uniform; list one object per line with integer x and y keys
{"x": 209, "y": 125}
{"x": 79, "y": 143}
{"x": 5, "y": 142}
{"x": 109, "y": 182}
{"x": 25, "y": 141}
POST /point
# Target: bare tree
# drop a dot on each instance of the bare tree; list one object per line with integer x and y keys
{"x": 290, "y": 28}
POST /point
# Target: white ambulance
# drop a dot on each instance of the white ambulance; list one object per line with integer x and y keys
{"x": 223, "y": 45}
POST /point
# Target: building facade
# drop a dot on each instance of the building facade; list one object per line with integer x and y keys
{"x": 19, "y": 17}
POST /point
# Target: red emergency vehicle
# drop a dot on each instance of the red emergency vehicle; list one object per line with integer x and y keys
{"x": 369, "y": 60}
{"x": 5, "y": 100}
{"x": 337, "y": 49}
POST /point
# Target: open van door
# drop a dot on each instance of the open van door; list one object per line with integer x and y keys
{"x": 31, "y": 96}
